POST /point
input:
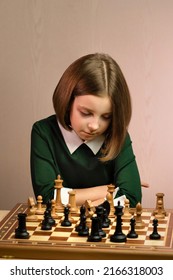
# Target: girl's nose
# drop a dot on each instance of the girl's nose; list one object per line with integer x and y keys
{"x": 94, "y": 125}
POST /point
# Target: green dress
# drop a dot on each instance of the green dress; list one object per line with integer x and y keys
{"x": 51, "y": 157}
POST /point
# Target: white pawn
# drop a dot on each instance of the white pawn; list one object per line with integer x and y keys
{"x": 39, "y": 210}
{"x": 127, "y": 209}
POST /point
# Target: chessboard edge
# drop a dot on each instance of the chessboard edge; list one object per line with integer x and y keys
{"x": 10, "y": 252}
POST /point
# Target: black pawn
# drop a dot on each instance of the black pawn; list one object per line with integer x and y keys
{"x": 84, "y": 231}
{"x": 21, "y": 231}
{"x": 94, "y": 235}
{"x": 49, "y": 209}
{"x": 118, "y": 235}
{"x": 132, "y": 233}
{"x": 82, "y": 213}
{"x": 66, "y": 222}
{"x": 45, "y": 223}
{"x": 155, "y": 235}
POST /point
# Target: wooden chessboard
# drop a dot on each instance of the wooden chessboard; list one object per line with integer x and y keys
{"x": 64, "y": 242}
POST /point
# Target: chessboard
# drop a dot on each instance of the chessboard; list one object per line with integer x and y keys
{"x": 62, "y": 242}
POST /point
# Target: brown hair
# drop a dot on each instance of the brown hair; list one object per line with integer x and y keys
{"x": 96, "y": 74}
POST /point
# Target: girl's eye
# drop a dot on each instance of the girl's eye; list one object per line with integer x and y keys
{"x": 85, "y": 113}
{"x": 107, "y": 117}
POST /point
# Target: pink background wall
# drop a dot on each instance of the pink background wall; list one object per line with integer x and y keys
{"x": 40, "y": 38}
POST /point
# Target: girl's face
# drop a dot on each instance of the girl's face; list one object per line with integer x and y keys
{"x": 90, "y": 116}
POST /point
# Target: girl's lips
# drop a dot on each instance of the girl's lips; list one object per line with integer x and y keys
{"x": 88, "y": 135}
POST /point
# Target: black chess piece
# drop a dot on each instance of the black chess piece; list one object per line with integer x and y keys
{"x": 84, "y": 231}
{"x": 94, "y": 235}
{"x": 66, "y": 222}
{"x": 155, "y": 235}
{"x": 49, "y": 209}
{"x": 118, "y": 235}
{"x": 21, "y": 231}
{"x": 106, "y": 205}
{"x": 99, "y": 212}
{"x": 132, "y": 233}
{"x": 105, "y": 221}
{"x": 45, "y": 225}
{"x": 82, "y": 213}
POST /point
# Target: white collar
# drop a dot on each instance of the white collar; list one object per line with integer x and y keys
{"x": 73, "y": 141}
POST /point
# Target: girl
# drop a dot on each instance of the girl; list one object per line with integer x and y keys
{"x": 87, "y": 141}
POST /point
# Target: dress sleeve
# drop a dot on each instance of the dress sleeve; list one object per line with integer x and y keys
{"x": 42, "y": 163}
{"x": 126, "y": 174}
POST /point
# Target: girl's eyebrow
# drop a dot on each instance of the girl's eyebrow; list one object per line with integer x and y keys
{"x": 90, "y": 110}
{"x": 85, "y": 108}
